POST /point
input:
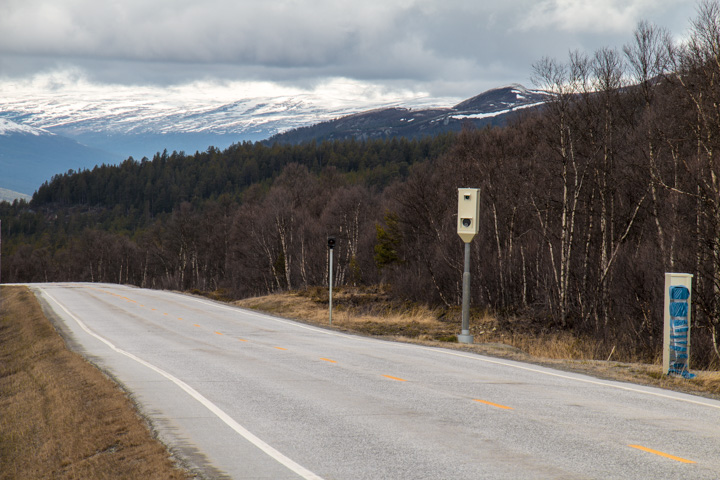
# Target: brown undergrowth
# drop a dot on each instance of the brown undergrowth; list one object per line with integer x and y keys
{"x": 60, "y": 417}
{"x": 370, "y": 312}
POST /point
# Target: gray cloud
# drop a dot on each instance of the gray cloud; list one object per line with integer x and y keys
{"x": 449, "y": 47}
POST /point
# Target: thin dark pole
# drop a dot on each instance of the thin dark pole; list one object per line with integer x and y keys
{"x": 330, "y": 283}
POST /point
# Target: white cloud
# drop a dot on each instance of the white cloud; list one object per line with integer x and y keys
{"x": 447, "y": 47}
{"x": 72, "y": 87}
{"x": 272, "y": 32}
{"x": 596, "y": 16}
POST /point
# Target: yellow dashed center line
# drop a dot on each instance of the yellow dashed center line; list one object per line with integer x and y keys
{"x": 395, "y": 378}
{"x": 242, "y": 340}
{"x": 492, "y": 404}
{"x": 662, "y": 454}
{"x": 195, "y": 325}
{"x": 218, "y": 333}
{"x": 281, "y": 348}
{"x": 327, "y": 360}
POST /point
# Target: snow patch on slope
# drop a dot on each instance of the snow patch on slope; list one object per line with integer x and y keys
{"x": 10, "y": 196}
{"x": 495, "y": 114}
{"x": 8, "y": 127}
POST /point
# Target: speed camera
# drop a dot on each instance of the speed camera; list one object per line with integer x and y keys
{"x": 468, "y": 213}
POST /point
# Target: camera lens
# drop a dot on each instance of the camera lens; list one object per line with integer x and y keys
{"x": 466, "y": 222}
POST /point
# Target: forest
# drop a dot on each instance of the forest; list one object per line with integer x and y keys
{"x": 585, "y": 204}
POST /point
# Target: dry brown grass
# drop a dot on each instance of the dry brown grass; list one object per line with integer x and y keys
{"x": 378, "y": 319}
{"x": 60, "y": 417}
{"x": 371, "y": 313}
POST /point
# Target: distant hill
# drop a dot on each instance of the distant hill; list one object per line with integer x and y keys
{"x": 140, "y": 121}
{"x": 29, "y": 156}
{"x": 493, "y": 107}
{"x": 10, "y": 196}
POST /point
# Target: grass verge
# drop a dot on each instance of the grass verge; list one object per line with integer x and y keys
{"x": 370, "y": 312}
{"x": 60, "y": 417}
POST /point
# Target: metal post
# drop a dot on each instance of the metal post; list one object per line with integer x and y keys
{"x": 465, "y": 336}
{"x": 331, "y": 282}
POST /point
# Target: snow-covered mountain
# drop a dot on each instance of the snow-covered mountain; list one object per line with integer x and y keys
{"x": 29, "y": 156}
{"x": 139, "y": 121}
{"x": 73, "y": 128}
{"x": 10, "y": 195}
{"x": 493, "y": 107}
{"x": 11, "y": 128}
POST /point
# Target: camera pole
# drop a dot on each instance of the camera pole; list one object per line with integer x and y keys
{"x": 465, "y": 336}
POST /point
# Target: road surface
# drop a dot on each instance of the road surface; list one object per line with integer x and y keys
{"x": 244, "y": 395}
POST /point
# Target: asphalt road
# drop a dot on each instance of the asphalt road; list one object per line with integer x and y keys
{"x": 245, "y": 395}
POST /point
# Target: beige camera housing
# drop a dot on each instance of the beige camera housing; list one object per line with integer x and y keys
{"x": 468, "y": 213}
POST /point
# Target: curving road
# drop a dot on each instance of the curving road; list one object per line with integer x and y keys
{"x": 248, "y": 396}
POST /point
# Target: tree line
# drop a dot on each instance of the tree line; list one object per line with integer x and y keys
{"x": 586, "y": 203}
{"x": 160, "y": 222}
{"x": 154, "y": 186}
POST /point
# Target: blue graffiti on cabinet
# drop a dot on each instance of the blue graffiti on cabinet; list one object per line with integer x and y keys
{"x": 679, "y": 332}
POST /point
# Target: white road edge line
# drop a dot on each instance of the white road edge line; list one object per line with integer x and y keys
{"x": 229, "y": 421}
{"x": 584, "y": 380}
{"x": 476, "y": 357}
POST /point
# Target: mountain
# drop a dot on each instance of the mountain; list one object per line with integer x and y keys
{"x": 141, "y": 121}
{"x": 10, "y": 196}
{"x": 45, "y": 135}
{"x": 29, "y": 156}
{"x": 493, "y": 107}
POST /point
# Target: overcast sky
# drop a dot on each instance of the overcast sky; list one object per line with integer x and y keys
{"x": 445, "y": 48}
